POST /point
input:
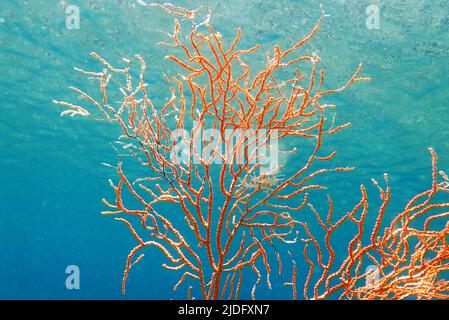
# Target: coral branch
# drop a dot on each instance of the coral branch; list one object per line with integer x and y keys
{"x": 216, "y": 200}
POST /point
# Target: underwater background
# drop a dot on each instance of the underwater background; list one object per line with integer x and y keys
{"x": 51, "y": 180}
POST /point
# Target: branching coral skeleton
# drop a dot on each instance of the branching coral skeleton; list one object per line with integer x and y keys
{"x": 234, "y": 217}
{"x": 410, "y": 259}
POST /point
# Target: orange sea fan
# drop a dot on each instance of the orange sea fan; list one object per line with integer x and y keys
{"x": 234, "y": 210}
{"x": 409, "y": 259}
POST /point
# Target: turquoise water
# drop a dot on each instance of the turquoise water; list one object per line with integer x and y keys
{"x": 51, "y": 180}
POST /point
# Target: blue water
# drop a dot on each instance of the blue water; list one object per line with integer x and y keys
{"x": 51, "y": 180}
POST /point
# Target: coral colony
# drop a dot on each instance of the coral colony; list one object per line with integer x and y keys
{"x": 210, "y": 156}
